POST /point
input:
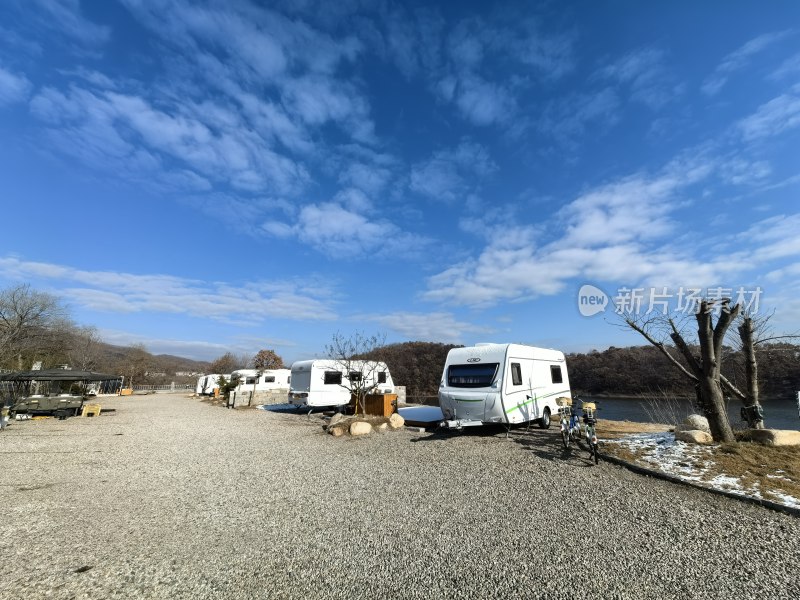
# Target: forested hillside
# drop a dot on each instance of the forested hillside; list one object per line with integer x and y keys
{"x": 636, "y": 370}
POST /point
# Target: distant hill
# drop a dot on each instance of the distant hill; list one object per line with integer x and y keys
{"x": 161, "y": 368}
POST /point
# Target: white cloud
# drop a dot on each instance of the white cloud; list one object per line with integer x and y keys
{"x": 644, "y": 73}
{"x": 477, "y": 76}
{"x": 435, "y": 326}
{"x": 569, "y": 117}
{"x": 451, "y": 174}
{"x": 96, "y": 126}
{"x": 622, "y": 232}
{"x": 255, "y": 301}
{"x": 65, "y": 16}
{"x": 13, "y": 88}
{"x": 342, "y": 233}
{"x": 739, "y": 59}
{"x": 773, "y": 117}
{"x": 788, "y": 68}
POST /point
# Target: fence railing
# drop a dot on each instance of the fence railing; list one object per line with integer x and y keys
{"x": 166, "y": 387}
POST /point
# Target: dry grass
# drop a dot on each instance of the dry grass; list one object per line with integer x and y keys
{"x": 616, "y": 429}
{"x": 765, "y": 467}
{"x": 758, "y": 467}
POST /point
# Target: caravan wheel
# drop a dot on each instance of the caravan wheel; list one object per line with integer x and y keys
{"x": 544, "y": 422}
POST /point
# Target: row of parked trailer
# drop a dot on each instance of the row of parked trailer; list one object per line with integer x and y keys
{"x": 485, "y": 383}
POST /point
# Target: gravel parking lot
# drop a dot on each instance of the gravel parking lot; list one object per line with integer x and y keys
{"x": 169, "y": 497}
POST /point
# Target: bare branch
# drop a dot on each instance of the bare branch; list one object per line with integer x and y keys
{"x": 660, "y": 345}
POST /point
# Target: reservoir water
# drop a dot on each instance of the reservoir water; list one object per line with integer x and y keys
{"x": 778, "y": 414}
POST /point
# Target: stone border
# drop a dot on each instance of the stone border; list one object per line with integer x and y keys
{"x": 789, "y": 510}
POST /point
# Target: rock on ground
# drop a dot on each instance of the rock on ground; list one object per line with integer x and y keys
{"x": 694, "y": 422}
{"x": 693, "y": 436}
{"x": 360, "y": 428}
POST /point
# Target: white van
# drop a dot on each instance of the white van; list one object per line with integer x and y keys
{"x": 327, "y": 382}
{"x": 206, "y": 384}
{"x": 501, "y": 383}
{"x": 252, "y": 380}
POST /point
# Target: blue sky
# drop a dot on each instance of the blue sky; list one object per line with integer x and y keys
{"x": 235, "y": 175}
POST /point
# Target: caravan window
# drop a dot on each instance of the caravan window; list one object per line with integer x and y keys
{"x": 516, "y": 374}
{"x": 469, "y": 376}
{"x": 355, "y": 376}
{"x": 250, "y": 380}
{"x": 269, "y": 379}
{"x": 382, "y": 377}
{"x": 333, "y": 378}
{"x": 555, "y": 374}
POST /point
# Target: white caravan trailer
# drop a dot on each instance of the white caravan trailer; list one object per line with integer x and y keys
{"x": 326, "y": 382}
{"x": 206, "y": 384}
{"x": 501, "y": 383}
{"x": 252, "y": 380}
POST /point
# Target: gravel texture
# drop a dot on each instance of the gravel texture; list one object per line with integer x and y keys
{"x": 169, "y": 497}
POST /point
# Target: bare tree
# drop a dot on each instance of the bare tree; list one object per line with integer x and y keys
{"x": 267, "y": 359}
{"x": 228, "y": 362}
{"x": 362, "y": 377}
{"x": 137, "y": 363}
{"x": 703, "y": 370}
{"x": 84, "y": 348}
{"x": 33, "y": 326}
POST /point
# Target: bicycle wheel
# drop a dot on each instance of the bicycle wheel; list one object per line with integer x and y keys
{"x": 565, "y": 438}
{"x": 596, "y": 453}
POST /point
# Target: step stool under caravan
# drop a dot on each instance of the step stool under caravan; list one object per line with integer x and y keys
{"x": 326, "y": 382}
{"x": 501, "y": 383}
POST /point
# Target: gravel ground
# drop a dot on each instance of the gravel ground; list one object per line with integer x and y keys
{"x": 169, "y": 497}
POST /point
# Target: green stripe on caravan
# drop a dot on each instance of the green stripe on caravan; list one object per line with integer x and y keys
{"x": 518, "y": 406}
{"x": 465, "y": 400}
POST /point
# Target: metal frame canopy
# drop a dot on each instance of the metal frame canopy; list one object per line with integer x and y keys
{"x": 57, "y": 375}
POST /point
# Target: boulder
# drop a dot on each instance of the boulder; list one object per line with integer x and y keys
{"x": 694, "y": 422}
{"x": 360, "y": 428}
{"x": 335, "y": 419}
{"x": 774, "y": 437}
{"x": 338, "y": 430}
{"x": 382, "y": 427}
{"x": 396, "y": 421}
{"x": 693, "y": 436}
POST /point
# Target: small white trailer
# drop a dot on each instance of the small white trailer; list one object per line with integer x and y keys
{"x": 206, "y": 384}
{"x": 253, "y": 380}
{"x": 328, "y": 382}
{"x": 501, "y": 383}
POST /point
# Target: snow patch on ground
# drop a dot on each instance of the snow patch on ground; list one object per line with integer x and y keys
{"x": 690, "y": 462}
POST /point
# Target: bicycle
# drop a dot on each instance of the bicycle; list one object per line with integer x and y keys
{"x": 589, "y": 420}
{"x": 570, "y": 425}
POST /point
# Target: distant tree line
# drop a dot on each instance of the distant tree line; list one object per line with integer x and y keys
{"x": 36, "y": 327}
{"x": 416, "y": 365}
{"x": 641, "y": 370}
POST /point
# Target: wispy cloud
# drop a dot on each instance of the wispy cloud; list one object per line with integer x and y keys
{"x": 452, "y": 174}
{"x": 348, "y": 227}
{"x": 65, "y": 16}
{"x": 774, "y": 117}
{"x": 13, "y": 87}
{"x": 618, "y": 232}
{"x": 434, "y": 326}
{"x": 488, "y": 95}
{"x": 107, "y": 291}
{"x": 568, "y": 118}
{"x": 739, "y": 59}
{"x": 644, "y": 73}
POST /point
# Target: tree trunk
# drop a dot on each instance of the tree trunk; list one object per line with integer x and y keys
{"x": 710, "y": 339}
{"x": 714, "y": 410}
{"x": 752, "y": 411}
